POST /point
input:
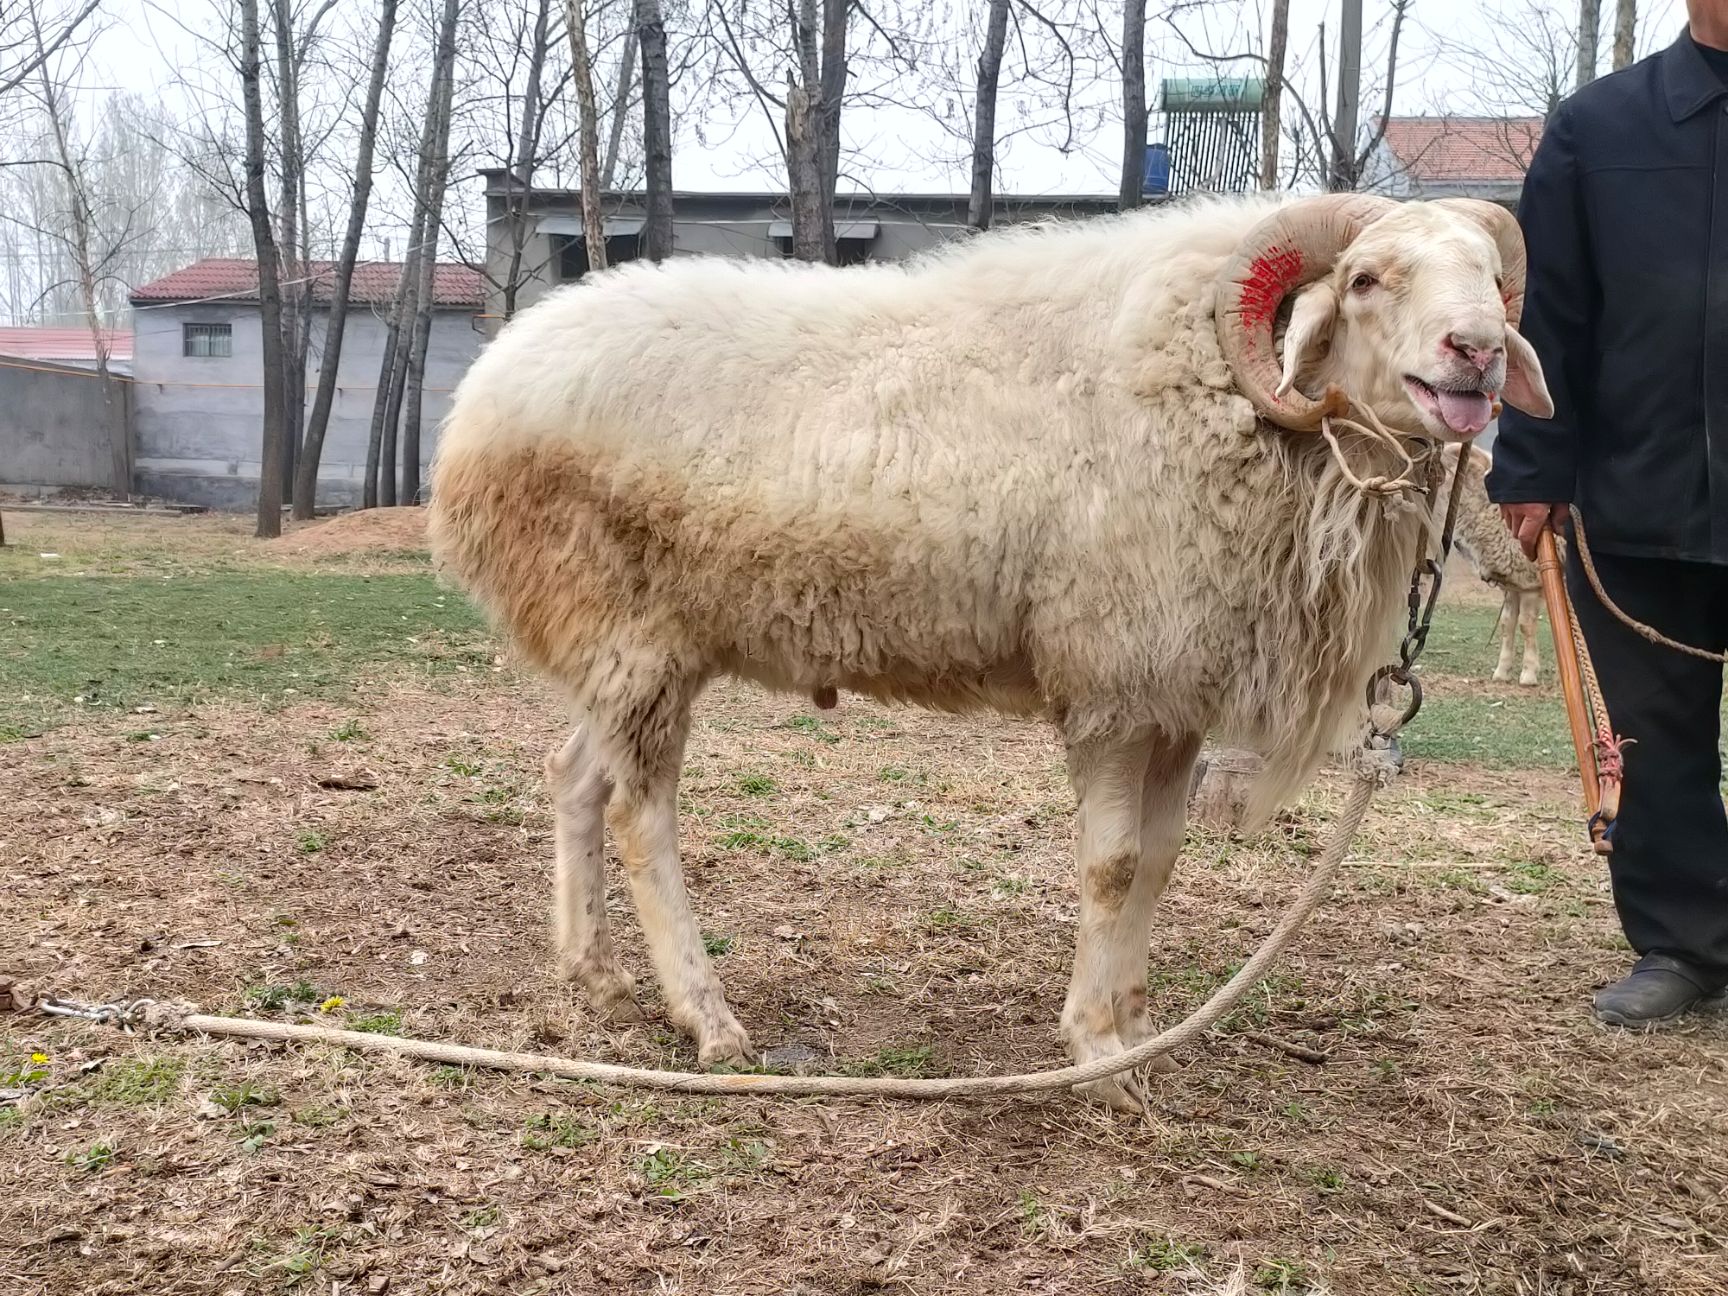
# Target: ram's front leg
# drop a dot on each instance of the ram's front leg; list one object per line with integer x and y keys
{"x": 1108, "y": 777}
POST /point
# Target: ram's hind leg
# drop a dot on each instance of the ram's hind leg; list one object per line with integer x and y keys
{"x": 645, "y": 751}
{"x": 580, "y": 790}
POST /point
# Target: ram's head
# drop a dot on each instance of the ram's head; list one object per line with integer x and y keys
{"x": 1407, "y": 308}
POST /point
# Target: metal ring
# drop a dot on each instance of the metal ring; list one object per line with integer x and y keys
{"x": 1398, "y": 675}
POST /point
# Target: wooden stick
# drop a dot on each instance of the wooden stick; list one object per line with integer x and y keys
{"x": 1566, "y": 661}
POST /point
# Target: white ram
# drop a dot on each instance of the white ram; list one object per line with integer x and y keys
{"x": 1054, "y": 471}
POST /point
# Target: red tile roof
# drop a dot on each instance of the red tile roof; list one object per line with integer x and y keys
{"x": 63, "y": 343}
{"x": 1457, "y": 149}
{"x": 374, "y": 283}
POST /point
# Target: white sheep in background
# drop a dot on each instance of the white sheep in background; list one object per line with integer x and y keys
{"x": 1498, "y": 561}
{"x": 1047, "y": 472}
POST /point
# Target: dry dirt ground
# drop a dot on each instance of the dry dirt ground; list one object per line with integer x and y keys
{"x": 887, "y": 891}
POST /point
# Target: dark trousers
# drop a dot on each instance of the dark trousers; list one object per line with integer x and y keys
{"x": 1670, "y": 860}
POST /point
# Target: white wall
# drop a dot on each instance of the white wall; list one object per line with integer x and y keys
{"x": 198, "y": 422}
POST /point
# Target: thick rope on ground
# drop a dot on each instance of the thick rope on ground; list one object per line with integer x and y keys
{"x": 1372, "y": 770}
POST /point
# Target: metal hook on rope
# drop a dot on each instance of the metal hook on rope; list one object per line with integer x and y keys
{"x": 124, "y": 1013}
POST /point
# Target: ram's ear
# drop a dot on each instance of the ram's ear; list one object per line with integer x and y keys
{"x": 1309, "y": 336}
{"x": 1525, "y": 389}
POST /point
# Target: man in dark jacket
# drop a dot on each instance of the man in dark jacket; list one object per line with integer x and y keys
{"x": 1625, "y": 212}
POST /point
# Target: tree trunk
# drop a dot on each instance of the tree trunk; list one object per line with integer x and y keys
{"x": 804, "y": 173}
{"x": 1625, "y": 33}
{"x": 306, "y": 475}
{"x": 832, "y": 80}
{"x": 587, "y": 133}
{"x": 520, "y": 182}
{"x": 1589, "y": 29}
{"x": 269, "y": 286}
{"x": 656, "y": 129}
{"x": 78, "y": 202}
{"x": 290, "y": 181}
{"x": 620, "y": 110}
{"x": 1271, "y": 120}
{"x": 980, "y": 206}
{"x": 1218, "y": 795}
{"x": 401, "y": 331}
{"x": 1341, "y": 177}
{"x": 1133, "y": 104}
{"x": 381, "y": 472}
{"x": 437, "y": 172}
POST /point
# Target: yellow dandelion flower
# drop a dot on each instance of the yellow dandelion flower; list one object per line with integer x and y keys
{"x": 331, "y": 1004}
{"x": 40, "y": 1059}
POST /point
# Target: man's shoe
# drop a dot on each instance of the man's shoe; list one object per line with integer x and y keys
{"x": 1658, "y": 989}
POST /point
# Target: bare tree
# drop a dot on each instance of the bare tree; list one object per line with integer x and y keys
{"x": 269, "y": 286}
{"x": 1348, "y": 155}
{"x": 1589, "y": 33}
{"x": 588, "y": 134}
{"x": 620, "y": 108}
{"x": 437, "y": 169}
{"x": 30, "y": 37}
{"x": 290, "y": 201}
{"x": 306, "y": 472}
{"x": 1133, "y": 104}
{"x": 84, "y": 253}
{"x": 382, "y": 458}
{"x": 1271, "y": 121}
{"x": 1625, "y": 33}
{"x": 1529, "y": 71}
{"x": 980, "y": 205}
{"x": 656, "y": 129}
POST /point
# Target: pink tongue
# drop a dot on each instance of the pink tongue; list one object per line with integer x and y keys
{"x": 1466, "y": 413}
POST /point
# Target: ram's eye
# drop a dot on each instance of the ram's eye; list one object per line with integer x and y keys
{"x": 1363, "y": 282}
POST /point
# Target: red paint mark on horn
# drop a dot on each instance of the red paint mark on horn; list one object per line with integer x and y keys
{"x": 1270, "y": 277}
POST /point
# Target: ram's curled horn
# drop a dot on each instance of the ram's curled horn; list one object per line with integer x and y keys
{"x": 1295, "y": 245}
{"x": 1502, "y": 227}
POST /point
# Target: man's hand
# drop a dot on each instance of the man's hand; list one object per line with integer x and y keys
{"x": 1525, "y": 522}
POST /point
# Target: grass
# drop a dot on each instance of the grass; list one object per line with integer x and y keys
{"x": 544, "y": 1132}
{"x": 136, "y": 1082}
{"x": 379, "y": 1023}
{"x": 110, "y": 644}
{"x": 1525, "y": 729}
{"x": 913, "y": 1061}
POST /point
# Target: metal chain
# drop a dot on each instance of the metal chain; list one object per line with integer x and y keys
{"x": 124, "y": 1013}
{"x": 1421, "y": 615}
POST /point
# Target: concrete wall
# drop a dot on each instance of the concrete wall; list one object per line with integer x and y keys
{"x": 54, "y": 424}
{"x": 198, "y": 421}
{"x": 740, "y": 226}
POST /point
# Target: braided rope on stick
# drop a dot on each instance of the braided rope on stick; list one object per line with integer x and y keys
{"x": 1371, "y": 773}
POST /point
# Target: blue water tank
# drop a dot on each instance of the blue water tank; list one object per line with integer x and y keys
{"x": 1157, "y": 180}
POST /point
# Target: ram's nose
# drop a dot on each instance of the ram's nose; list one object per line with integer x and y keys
{"x": 1480, "y": 350}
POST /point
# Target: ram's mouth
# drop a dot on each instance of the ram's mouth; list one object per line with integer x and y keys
{"x": 1463, "y": 413}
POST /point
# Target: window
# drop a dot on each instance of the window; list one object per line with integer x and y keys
{"x": 853, "y": 239}
{"x": 207, "y": 341}
{"x": 573, "y": 253}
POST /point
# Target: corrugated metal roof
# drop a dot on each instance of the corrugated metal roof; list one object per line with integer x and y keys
{"x": 63, "y": 343}
{"x": 231, "y": 279}
{"x": 1460, "y": 149}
